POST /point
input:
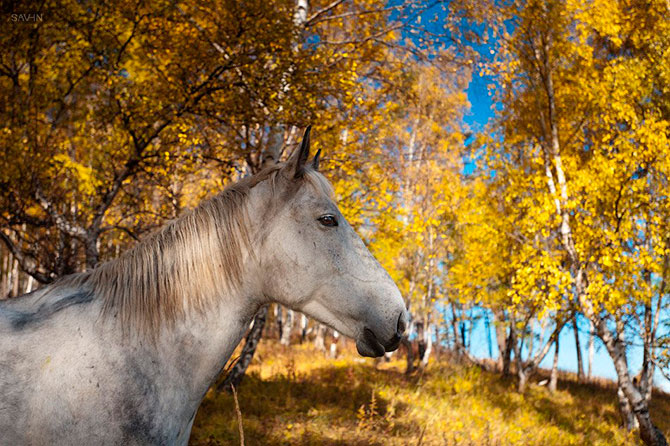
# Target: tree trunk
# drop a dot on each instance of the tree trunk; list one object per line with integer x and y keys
{"x": 487, "y": 327}
{"x": 287, "y": 328}
{"x": 458, "y": 333}
{"x": 279, "y": 319}
{"x": 319, "y": 339}
{"x": 428, "y": 341}
{"x": 526, "y": 368}
{"x": 649, "y": 433}
{"x": 501, "y": 339}
{"x": 531, "y": 337}
{"x": 333, "y": 344}
{"x": 553, "y": 380}
{"x": 438, "y": 342}
{"x": 578, "y": 348}
{"x": 15, "y": 279}
{"x": 91, "y": 250}
{"x": 303, "y": 328}
{"x": 253, "y": 338}
{"x": 420, "y": 340}
{"x": 628, "y": 420}
{"x": 4, "y": 285}
{"x": 522, "y": 379}
{"x": 591, "y": 349}
{"x": 410, "y": 355}
{"x": 507, "y": 355}
{"x": 651, "y": 319}
{"x": 29, "y": 285}
{"x": 471, "y": 327}
{"x": 521, "y": 371}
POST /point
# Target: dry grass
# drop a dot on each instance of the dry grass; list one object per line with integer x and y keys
{"x": 296, "y": 396}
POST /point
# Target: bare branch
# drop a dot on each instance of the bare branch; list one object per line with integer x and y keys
{"x": 60, "y": 221}
{"x": 323, "y": 11}
{"x": 24, "y": 262}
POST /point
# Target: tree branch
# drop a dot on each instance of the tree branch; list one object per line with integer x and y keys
{"x": 24, "y": 263}
{"x": 60, "y": 221}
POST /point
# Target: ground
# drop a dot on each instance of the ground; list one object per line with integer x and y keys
{"x": 297, "y": 396}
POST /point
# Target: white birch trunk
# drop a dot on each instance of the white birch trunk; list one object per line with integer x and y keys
{"x": 553, "y": 380}
{"x": 319, "y": 339}
{"x": 4, "y": 285}
{"x": 428, "y": 340}
{"x": 287, "y": 328}
{"x": 591, "y": 349}
{"x": 303, "y": 327}
{"x": 333, "y": 344}
{"x": 15, "y": 279}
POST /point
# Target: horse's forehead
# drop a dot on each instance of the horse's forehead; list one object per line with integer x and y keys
{"x": 310, "y": 197}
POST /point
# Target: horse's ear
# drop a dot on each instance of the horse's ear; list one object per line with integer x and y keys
{"x": 315, "y": 161}
{"x": 296, "y": 162}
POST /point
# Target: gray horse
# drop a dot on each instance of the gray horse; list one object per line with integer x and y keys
{"x": 124, "y": 353}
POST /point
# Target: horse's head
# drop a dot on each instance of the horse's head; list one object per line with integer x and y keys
{"x": 315, "y": 263}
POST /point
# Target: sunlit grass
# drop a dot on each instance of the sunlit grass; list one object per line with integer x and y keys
{"x": 297, "y": 396}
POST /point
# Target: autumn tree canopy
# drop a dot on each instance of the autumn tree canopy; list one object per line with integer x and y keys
{"x": 117, "y": 116}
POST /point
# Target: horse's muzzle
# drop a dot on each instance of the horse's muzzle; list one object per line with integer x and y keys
{"x": 369, "y": 345}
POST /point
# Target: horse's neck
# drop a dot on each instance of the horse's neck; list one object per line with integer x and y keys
{"x": 192, "y": 351}
{"x": 197, "y": 347}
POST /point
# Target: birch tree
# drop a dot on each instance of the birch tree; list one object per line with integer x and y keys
{"x": 585, "y": 95}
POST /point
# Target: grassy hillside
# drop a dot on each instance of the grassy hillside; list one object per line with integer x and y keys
{"x": 295, "y": 396}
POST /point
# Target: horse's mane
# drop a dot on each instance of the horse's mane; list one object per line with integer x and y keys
{"x": 188, "y": 263}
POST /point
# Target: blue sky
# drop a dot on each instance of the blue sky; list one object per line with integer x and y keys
{"x": 480, "y": 102}
{"x": 481, "y": 111}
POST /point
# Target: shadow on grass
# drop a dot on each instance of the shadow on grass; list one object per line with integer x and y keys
{"x": 598, "y": 404}
{"x": 589, "y": 409}
{"x": 321, "y": 407}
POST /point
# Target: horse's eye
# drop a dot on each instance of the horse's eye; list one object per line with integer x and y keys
{"x": 328, "y": 220}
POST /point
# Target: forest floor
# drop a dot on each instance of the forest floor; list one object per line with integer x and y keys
{"x": 297, "y": 396}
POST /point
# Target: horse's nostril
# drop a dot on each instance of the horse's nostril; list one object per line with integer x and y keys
{"x": 402, "y": 324}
